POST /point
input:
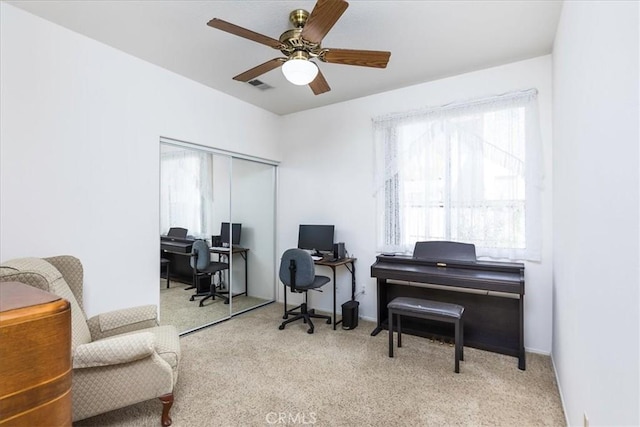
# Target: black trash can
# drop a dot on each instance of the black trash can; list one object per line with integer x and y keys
{"x": 350, "y": 314}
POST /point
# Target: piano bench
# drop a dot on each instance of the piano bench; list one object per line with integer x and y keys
{"x": 432, "y": 310}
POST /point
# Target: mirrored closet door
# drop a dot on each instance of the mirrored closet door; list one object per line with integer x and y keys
{"x": 217, "y": 211}
{"x": 253, "y": 206}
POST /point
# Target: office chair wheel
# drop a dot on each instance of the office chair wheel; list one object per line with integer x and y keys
{"x": 328, "y": 321}
{"x": 192, "y": 298}
{"x": 310, "y": 330}
{"x": 281, "y": 327}
{"x": 285, "y": 317}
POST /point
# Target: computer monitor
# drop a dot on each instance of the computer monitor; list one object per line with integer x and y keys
{"x": 235, "y": 233}
{"x": 316, "y": 237}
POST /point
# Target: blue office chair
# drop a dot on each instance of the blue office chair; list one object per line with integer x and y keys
{"x": 203, "y": 266}
{"x": 298, "y": 272}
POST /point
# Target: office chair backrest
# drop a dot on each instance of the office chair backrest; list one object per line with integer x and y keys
{"x": 177, "y": 232}
{"x": 305, "y": 269}
{"x": 200, "y": 258}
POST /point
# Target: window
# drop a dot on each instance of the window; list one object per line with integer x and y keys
{"x": 186, "y": 191}
{"x": 466, "y": 172}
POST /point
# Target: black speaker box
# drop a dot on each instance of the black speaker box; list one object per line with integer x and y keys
{"x": 338, "y": 250}
{"x": 350, "y": 314}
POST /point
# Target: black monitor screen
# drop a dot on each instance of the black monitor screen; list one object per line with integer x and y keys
{"x": 235, "y": 238}
{"x": 316, "y": 237}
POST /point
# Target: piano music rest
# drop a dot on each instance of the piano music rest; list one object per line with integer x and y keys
{"x": 432, "y": 310}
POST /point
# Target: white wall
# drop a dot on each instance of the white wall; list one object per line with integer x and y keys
{"x": 326, "y": 176}
{"x": 79, "y": 164}
{"x": 596, "y": 197}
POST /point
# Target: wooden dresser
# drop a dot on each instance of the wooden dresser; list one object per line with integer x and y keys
{"x": 35, "y": 357}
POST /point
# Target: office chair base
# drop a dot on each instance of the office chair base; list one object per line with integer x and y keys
{"x": 209, "y": 295}
{"x": 306, "y": 316}
{"x": 292, "y": 312}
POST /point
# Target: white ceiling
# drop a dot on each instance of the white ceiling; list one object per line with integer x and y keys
{"x": 428, "y": 40}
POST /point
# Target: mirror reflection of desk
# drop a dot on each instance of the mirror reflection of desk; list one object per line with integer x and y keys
{"x": 223, "y": 253}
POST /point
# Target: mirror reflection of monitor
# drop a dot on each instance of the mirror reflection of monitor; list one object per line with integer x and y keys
{"x": 318, "y": 238}
{"x": 235, "y": 233}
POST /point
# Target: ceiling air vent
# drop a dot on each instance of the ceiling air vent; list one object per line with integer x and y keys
{"x": 260, "y": 84}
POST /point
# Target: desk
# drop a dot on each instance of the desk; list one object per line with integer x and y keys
{"x": 244, "y": 253}
{"x": 349, "y": 264}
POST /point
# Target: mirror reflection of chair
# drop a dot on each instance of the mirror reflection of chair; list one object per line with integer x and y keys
{"x": 297, "y": 271}
{"x": 202, "y": 267}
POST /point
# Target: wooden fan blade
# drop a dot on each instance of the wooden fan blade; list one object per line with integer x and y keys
{"x": 322, "y": 18}
{"x": 363, "y": 58}
{"x": 260, "y": 69}
{"x": 243, "y": 32}
{"x": 319, "y": 84}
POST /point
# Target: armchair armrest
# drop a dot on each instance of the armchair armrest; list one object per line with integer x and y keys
{"x": 114, "y": 351}
{"x": 121, "y": 321}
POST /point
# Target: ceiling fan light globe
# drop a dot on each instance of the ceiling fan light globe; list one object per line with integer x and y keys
{"x": 299, "y": 71}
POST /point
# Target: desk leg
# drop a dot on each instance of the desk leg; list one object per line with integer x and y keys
{"x": 522, "y": 363}
{"x": 246, "y": 273}
{"x": 353, "y": 281}
{"x": 334, "y": 298}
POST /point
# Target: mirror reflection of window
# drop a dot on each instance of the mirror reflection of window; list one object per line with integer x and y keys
{"x": 186, "y": 191}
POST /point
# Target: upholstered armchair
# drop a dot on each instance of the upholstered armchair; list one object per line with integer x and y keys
{"x": 119, "y": 358}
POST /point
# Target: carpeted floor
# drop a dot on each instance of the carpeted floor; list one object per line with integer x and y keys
{"x": 185, "y": 315}
{"x": 246, "y": 372}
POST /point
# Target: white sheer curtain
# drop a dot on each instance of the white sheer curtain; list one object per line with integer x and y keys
{"x": 467, "y": 172}
{"x": 186, "y": 192}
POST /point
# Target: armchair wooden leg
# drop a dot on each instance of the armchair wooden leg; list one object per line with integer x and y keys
{"x": 167, "y": 402}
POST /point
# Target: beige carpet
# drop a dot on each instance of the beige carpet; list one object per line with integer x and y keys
{"x": 185, "y": 315}
{"x": 246, "y": 372}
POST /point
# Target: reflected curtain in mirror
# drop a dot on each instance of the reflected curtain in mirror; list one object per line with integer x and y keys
{"x": 186, "y": 191}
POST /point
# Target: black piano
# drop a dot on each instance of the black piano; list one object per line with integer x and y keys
{"x": 176, "y": 244}
{"x": 178, "y": 251}
{"x": 491, "y": 292}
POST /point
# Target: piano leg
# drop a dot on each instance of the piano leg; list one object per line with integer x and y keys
{"x": 382, "y": 304}
{"x": 522, "y": 363}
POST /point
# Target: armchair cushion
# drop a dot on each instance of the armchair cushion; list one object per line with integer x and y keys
{"x": 114, "y": 351}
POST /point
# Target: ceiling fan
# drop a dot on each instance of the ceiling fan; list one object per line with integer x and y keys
{"x": 302, "y": 43}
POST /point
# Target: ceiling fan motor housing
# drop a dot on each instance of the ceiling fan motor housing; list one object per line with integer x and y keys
{"x": 298, "y": 17}
{"x": 292, "y": 39}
